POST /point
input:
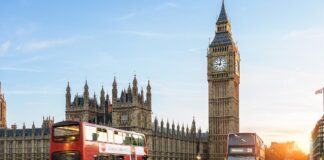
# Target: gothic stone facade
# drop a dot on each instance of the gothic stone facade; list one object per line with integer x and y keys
{"x": 3, "y": 119}
{"x": 132, "y": 110}
{"x": 87, "y": 109}
{"x": 25, "y": 144}
{"x": 223, "y": 87}
{"x": 173, "y": 143}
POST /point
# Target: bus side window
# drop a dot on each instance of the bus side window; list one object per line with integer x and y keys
{"x": 140, "y": 140}
{"x": 102, "y": 135}
{"x": 127, "y": 139}
{"x": 135, "y": 140}
{"x": 118, "y": 137}
{"x": 110, "y": 136}
{"x": 90, "y": 133}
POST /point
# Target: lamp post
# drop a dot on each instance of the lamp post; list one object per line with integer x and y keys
{"x": 198, "y": 156}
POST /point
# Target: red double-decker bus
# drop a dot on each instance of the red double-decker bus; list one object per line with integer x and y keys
{"x": 73, "y": 140}
{"x": 245, "y": 146}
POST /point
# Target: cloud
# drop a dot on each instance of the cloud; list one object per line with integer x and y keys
{"x": 38, "y": 45}
{"x": 309, "y": 33}
{"x": 26, "y": 29}
{"x": 15, "y": 69}
{"x": 167, "y": 5}
{"x": 4, "y": 47}
{"x": 171, "y": 5}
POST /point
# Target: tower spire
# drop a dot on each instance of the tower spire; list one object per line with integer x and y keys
{"x": 223, "y": 15}
{"x": 223, "y": 35}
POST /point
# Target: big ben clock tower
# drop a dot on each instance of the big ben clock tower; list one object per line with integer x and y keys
{"x": 223, "y": 87}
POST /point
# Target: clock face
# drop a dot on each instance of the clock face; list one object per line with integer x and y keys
{"x": 220, "y": 64}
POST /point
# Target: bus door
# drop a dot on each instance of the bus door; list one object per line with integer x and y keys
{"x": 133, "y": 156}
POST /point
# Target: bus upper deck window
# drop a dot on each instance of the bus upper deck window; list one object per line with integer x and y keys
{"x": 140, "y": 140}
{"x": 135, "y": 140}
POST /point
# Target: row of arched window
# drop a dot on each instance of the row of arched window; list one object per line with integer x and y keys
{"x": 220, "y": 49}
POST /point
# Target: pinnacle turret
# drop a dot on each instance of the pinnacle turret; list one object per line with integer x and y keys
{"x": 68, "y": 97}
{"x": 129, "y": 88}
{"x": 86, "y": 90}
{"x": 114, "y": 90}
{"x": 148, "y": 86}
{"x": 115, "y": 82}
{"x": 102, "y": 90}
{"x": 68, "y": 89}
{"x": 86, "y": 87}
{"x": 135, "y": 89}
{"x": 148, "y": 94}
{"x": 86, "y": 95}
{"x": 102, "y": 98}
{"x": 134, "y": 81}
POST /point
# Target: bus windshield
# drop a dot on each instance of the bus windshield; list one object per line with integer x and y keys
{"x": 241, "y": 139}
{"x": 66, "y": 156}
{"x": 63, "y": 133}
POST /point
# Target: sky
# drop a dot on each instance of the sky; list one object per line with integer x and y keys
{"x": 45, "y": 44}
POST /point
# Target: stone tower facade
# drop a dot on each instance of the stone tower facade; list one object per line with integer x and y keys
{"x": 88, "y": 109}
{"x": 131, "y": 111}
{"x": 223, "y": 87}
{"x": 3, "y": 118}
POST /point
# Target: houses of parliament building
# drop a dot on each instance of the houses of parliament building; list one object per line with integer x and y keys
{"x": 131, "y": 109}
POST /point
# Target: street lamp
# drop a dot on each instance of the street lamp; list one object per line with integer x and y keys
{"x": 198, "y": 157}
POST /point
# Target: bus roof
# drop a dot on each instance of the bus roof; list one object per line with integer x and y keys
{"x": 69, "y": 122}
